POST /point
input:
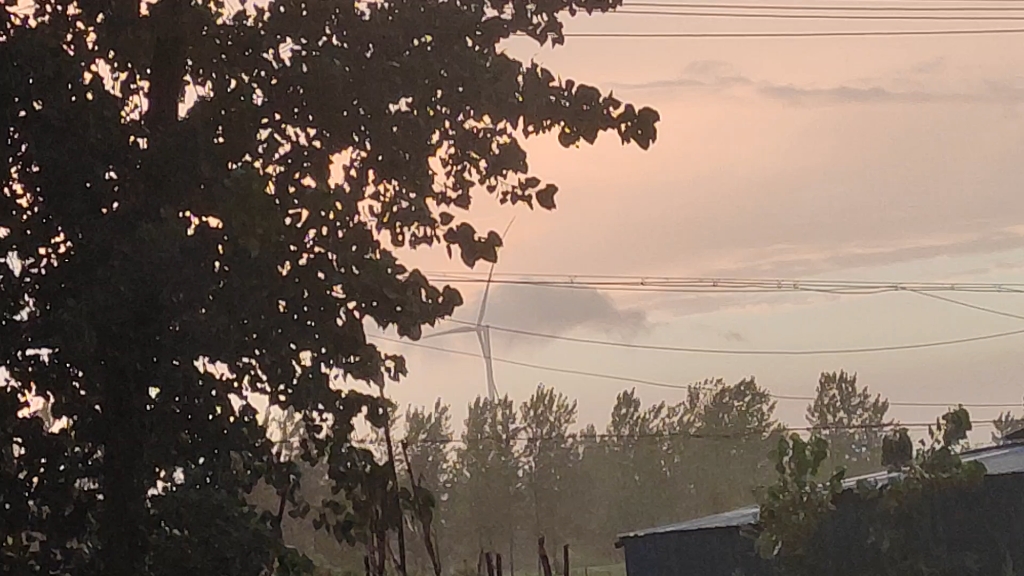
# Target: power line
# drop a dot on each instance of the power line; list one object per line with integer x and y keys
{"x": 821, "y": 8}
{"x": 719, "y": 289}
{"x": 720, "y": 285}
{"x": 823, "y": 34}
{"x": 973, "y": 306}
{"x": 741, "y": 352}
{"x": 654, "y": 383}
{"x": 579, "y": 277}
{"x": 847, "y": 17}
{"x": 695, "y": 289}
{"x": 758, "y": 434}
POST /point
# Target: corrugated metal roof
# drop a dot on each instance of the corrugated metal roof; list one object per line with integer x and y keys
{"x": 1000, "y": 459}
{"x": 741, "y": 517}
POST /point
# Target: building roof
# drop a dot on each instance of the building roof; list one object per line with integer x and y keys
{"x": 998, "y": 459}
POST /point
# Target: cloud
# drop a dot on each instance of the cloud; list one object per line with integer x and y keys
{"x": 670, "y": 306}
{"x": 792, "y": 94}
{"x": 734, "y": 336}
{"x": 558, "y": 311}
{"x": 929, "y": 66}
{"x": 707, "y": 74}
{"x": 791, "y": 262}
{"x": 714, "y": 75}
{"x": 991, "y": 93}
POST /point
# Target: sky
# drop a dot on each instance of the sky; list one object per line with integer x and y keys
{"x": 866, "y": 158}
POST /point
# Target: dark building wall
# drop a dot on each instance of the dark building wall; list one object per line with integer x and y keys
{"x": 710, "y": 552}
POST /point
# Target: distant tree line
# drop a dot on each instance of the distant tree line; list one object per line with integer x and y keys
{"x": 519, "y": 470}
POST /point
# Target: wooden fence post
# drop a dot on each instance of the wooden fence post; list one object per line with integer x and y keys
{"x": 545, "y": 562}
{"x": 489, "y": 560}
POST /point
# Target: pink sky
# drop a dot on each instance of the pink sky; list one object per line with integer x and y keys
{"x": 868, "y": 158}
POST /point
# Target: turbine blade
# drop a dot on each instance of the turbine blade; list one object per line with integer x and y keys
{"x": 485, "y": 346}
{"x": 490, "y": 276}
{"x": 483, "y": 301}
{"x": 459, "y": 330}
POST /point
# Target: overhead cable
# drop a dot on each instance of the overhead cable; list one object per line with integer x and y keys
{"x": 756, "y": 434}
{"x": 580, "y": 277}
{"x": 756, "y": 352}
{"x": 654, "y": 383}
{"x": 973, "y": 306}
{"x": 848, "y": 17}
{"x": 820, "y": 34}
{"x": 822, "y": 8}
{"x": 720, "y": 285}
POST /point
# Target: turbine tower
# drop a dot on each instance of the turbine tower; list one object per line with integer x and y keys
{"x": 482, "y": 331}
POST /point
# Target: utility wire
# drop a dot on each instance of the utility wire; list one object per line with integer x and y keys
{"x": 741, "y": 352}
{"x": 653, "y": 383}
{"x": 820, "y": 8}
{"x": 973, "y": 306}
{"x": 721, "y": 285}
{"x": 823, "y": 34}
{"x": 848, "y": 17}
{"x": 717, "y": 279}
{"x": 758, "y": 434}
{"x": 721, "y": 289}
{"x": 681, "y": 289}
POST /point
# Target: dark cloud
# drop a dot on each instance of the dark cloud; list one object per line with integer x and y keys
{"x": 677, "y": 305}
{"x": 734, "y": 336}
{"x": 708, "y": 69}
{"x": 557, "y": 311}
{"x": 930, "y": 66}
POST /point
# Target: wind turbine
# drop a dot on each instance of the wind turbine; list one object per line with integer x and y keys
{"x": 482, "y": 331}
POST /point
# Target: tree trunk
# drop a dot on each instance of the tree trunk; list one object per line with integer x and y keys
{"x": 124, "y": 542}
{"x": 132, "y": 345}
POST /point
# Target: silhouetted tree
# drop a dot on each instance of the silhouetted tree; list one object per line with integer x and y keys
{"x": 635, "y": 451}
{"x": 488, "y": 473}
{"x": 428, "y": 437}
{"x": 1004, "y": 424}
{"x": 594, "y": 496}
{"x": 550, "y": 459}
{"x": 733, "y": 424}
{"x": 197, "y": 184}
{"x": 851, "y": 420}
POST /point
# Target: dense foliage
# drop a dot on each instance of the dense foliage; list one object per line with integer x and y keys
{"x": 931, "y": 516}
{"x": 847, "y": 417}
{"x": 1006, "y": 423}
{"x": 201, "y": 203}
